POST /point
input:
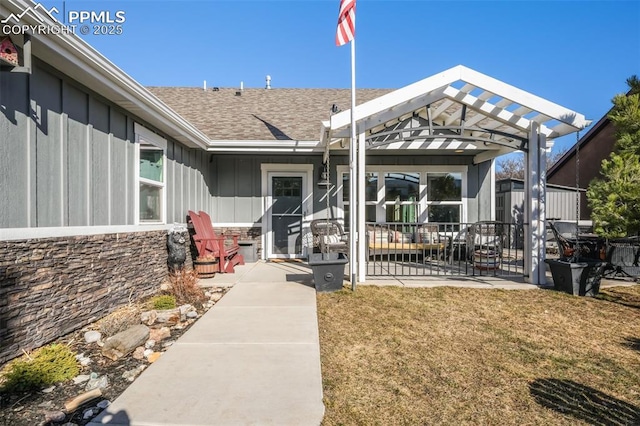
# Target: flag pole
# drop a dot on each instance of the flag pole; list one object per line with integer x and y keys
{"x": 353, "y": 216}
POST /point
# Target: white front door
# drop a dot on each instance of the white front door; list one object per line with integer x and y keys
{"x": 287, "y": 205}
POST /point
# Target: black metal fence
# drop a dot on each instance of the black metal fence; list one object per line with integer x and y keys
{"x": 445, "y": 249}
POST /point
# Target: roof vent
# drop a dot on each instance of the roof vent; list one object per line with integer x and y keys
{"x": 216, "y": 89}
{"x": 204, "y": 86}
{"x": 268, "y": 78}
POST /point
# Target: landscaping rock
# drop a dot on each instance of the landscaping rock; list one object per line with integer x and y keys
{"x": 130, "y": 375}
{"x": 103, "y": 404}
{"x": 84, "y": 360}
{"x": 96, "y": 382}
{"x": 192, "y": 314}
{"x": 154, "y": 357}
{"x": 159, "y": 334}
{"x": 169, "y": 316}
{"x": 147, "y": 352}
{"x": 81, "y": 379}
{"x": 125, "y": 342}
{"x": 92, "y": 336}
{"x": 148, "y": 317}
{"x": 139, "y": 353}
{"x": 184, "y": 310}
{"x": 54, "y": 416}
{"x": 48, "y": 390}
{"x": 88, "y": 413}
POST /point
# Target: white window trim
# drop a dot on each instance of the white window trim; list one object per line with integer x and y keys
{"x": 146, "y": 136}
{"x": 422, "y": 202}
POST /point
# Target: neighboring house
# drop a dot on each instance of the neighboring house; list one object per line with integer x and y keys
{"x": 94, "y": 168}
{"x": 593, "y": 147}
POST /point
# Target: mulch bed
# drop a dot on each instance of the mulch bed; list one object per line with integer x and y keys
{"x": 30, "y": 409}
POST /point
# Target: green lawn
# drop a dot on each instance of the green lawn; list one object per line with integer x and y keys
{"x": 480, "y": 357}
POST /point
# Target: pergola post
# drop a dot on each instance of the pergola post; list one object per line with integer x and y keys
{"x": 534, "y": 209}
{"x": 362, "y": 201}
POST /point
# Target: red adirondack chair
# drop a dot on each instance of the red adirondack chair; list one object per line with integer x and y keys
{"x": 210, "y": 244}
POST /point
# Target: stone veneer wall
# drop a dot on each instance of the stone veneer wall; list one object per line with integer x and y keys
{"x": 52, "y": 286}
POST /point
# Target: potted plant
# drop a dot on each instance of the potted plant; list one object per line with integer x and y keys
{"x": 577, "y": 276}
{"x": 579, "y": 269}
{"x": 328, "y": 270}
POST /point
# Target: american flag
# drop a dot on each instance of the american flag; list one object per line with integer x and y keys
{"x": 346, "y": 22}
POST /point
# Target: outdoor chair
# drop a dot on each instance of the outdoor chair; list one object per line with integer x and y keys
{"x": 209, "y": 244}
{"x": 329, "y": 236}
{"x": 567, "y": 237}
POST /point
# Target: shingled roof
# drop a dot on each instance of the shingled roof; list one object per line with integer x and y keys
{"x": 259, "y": 114}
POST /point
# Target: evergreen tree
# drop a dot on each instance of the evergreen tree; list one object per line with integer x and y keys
{"x": 615, "y": 198}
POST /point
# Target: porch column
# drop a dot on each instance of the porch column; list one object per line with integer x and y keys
{"x": 362, "y": 201}
{"x": 534, "y": 209}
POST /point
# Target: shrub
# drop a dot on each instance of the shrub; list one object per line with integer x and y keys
{"x": 184, "y": 286}
{"x": 44, "y": 367}
{"x": 163, "y": 301}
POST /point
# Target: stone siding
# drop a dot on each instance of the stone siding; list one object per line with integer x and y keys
{"x": 52, "y": 286}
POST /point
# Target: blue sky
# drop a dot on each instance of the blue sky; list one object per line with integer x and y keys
{"x": 575, "y": 53}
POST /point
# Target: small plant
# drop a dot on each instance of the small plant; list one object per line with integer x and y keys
{"x": 163, "y": 301}
{"x": 184, "y": 286}
{"x": 46, "y": 366}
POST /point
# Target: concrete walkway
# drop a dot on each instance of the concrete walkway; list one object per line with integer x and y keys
{"x": 253, "y": 359}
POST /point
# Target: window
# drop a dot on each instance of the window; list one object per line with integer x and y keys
{"x": 151, "y": 176}
{"x": 444, "y": 197}
{"x": 413, "y": 194}
{"x": 402, "y": 196}
{"x": 371, "y": 197}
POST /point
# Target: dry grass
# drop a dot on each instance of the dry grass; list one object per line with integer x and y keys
{"x": 395, "y": 356}
{"x": 119, "y": 320}
{"x": 183, "y": 284}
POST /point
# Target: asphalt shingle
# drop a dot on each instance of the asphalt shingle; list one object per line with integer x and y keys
{"x": 259, "y": 114}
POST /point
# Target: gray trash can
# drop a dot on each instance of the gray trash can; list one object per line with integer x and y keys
{"x": 328, "y": 270}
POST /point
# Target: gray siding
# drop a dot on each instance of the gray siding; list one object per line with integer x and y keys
{"x": 238, "y": 190}
{"x": 16, "y": 146}
{"x": 67, "y": 158}
{"x": 237, "y": 184}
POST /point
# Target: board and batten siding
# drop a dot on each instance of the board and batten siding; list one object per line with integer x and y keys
{"x": 237, "y": 186}
{"x": 68, "y": 158}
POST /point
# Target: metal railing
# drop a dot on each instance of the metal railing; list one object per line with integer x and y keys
{"x": 445, "y": 249}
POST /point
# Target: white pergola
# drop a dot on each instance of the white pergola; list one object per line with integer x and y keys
{"x": 457, "y": 109}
